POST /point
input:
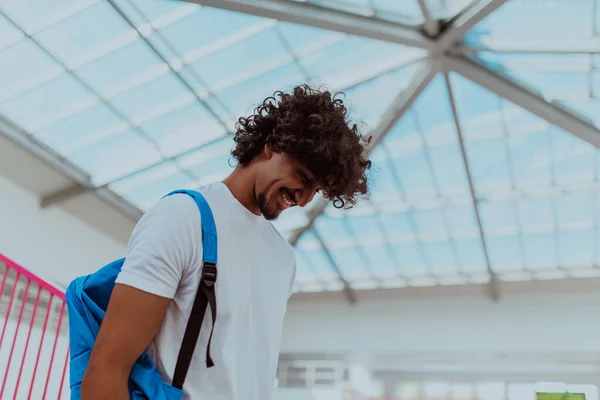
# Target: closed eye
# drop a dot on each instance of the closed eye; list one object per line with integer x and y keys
{"x": 305, "y": 178}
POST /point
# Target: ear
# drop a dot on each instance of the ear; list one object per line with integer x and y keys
{"x": 268, "y": 152}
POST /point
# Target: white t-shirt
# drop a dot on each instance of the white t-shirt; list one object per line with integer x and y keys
{"x": 256, "y": 268}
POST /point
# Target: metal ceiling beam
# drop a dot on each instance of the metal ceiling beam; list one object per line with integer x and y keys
{"x": 431, "y": 26}
{"x": 325, "y": 18}
{"x": 177, "y": 74}
{"x": 460, "y": 25}
{"x": 402, "y": 102}
{"x": 536, "y": 45}
{"x": 70, "y": 192}
{"x": 65, "y": 194}
{"x": 493, "y": 284}
{"x": 23, "y": 139}
{"x": 517, "y": 93}
{"x": 62, "y": 195}
{"x": 391, "y": 116}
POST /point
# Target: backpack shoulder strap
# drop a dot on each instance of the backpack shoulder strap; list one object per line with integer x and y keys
{"x": 205, "y": 296}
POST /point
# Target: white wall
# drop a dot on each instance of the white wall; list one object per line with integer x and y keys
{"x": 50, "y": 242}
{"x": 535, "y": 329}
{"x": 526, "y": 320}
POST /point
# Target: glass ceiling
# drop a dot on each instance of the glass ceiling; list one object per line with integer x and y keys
{"x": 558, "y": 58}
{"x": 143, "y": 96}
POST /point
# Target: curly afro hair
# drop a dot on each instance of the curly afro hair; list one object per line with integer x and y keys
{"x": 312, "y": 127}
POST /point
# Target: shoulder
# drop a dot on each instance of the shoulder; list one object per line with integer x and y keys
{"x": 174, "y": 221}
{"x": 164, "y": 247}
{"x": 177, "y": 210}
{"x": 174, "y": 205}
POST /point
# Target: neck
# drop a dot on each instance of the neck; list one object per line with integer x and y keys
{"x": 241, "y": 184}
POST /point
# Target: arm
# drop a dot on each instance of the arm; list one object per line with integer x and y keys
{"x": 132, "y": 319}
{"x": 163, "y": 246}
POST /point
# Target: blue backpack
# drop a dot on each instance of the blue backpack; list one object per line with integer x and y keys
{"x": 87, "y": 299}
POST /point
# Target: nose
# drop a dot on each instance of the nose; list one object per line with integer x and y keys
{"x": 305, "y": 196}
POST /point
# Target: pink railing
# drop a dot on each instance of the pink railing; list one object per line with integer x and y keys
{"x": 34, "y": 350}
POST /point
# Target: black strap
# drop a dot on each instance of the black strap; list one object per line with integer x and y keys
{"x": 205, "y": 296}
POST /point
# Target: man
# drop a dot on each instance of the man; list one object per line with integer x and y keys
{"x": 294, "y": 145}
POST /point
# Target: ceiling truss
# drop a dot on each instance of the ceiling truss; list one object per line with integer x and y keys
{"x": 517, "y": 93}
{"x": 459, "y": 26}
{"x": 493, "y": 284}
{"x": 567, "y": 45}
{"x": 324, "y": 18}
{"x": 443, "y": 40}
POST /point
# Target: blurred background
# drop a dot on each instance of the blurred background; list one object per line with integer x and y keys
{"x": 472, "y": 273}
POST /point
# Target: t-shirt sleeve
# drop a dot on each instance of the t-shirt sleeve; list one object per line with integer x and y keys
{"x": 163, "y": 247}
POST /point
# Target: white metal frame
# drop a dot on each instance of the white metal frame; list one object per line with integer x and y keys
{"x": 567, "y": 45}
{"x": 443, "y": 40}
{"x": 459, "y": 26}
{"x": 431, "y": 26}
{"x": 493, "y": 284}
{"x": 517, "y": 93}
{"x": 324, "y": 18}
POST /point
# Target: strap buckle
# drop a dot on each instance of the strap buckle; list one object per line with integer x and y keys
{"x": 209, "y": 274}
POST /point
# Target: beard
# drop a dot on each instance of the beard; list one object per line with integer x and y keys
{"x": 269, "y": 213}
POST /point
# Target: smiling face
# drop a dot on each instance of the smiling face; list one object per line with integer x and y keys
{"x": 282, "y": 183}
